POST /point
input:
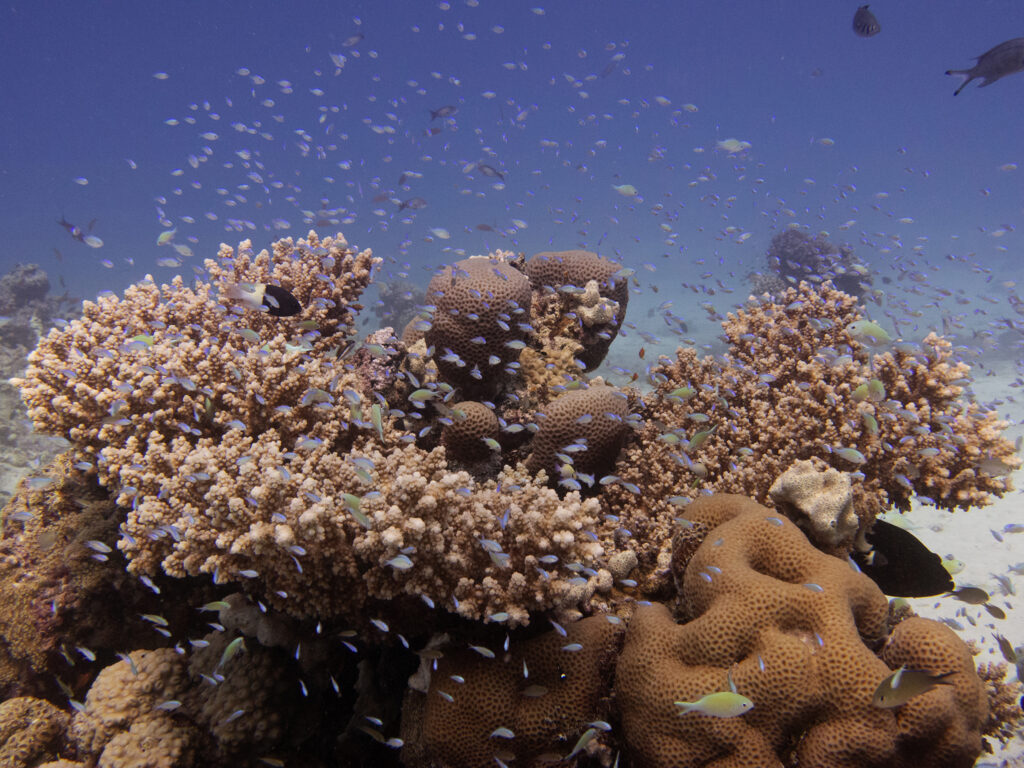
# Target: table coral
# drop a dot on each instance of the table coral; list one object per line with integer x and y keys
{"x": 793, "y": 629}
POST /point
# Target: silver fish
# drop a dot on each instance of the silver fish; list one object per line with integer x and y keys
{"x": 1005, "y": 59}
{"x": 864, "y": 23}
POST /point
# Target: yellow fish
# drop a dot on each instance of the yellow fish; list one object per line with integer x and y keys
{"x": 718, "y": 704}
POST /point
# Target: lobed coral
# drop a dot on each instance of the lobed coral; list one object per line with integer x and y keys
{"x": 795, "y": 631}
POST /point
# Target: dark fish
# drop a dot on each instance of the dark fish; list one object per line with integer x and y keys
{"x": 488, "y": 170}
{"x": 415, "y": 203}
{"x": 904, "y": 684}
{"x": 280, "y": 302}
{"x": 446, "y": 111}
{"x": 1005, "y": 59}
{"x": 994, "y": 611}
{"x": 75, "y": 231}
{"x": 970, "y": 595}
{"x": 901, "y": 565}
{"x": 864, "y": 23}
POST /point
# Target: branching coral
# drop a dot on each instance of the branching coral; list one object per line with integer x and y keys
{"x": 804, "y": 377}
{"x": 259, "y": 455}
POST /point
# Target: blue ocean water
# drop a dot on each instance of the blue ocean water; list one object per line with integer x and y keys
{"x": 226, "y": 120}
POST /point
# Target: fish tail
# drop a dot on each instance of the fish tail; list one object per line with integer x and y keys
{"x": 964, "y": 73}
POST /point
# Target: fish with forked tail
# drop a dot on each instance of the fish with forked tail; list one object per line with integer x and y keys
{"x": 1005, "y": 59}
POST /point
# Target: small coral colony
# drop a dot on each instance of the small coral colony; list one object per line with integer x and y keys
{"x": 452, "y": 543}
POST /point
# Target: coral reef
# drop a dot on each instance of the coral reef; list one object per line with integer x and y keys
{"x": 266, "y": 519}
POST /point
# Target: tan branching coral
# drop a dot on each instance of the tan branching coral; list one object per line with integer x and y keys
{"x": 800, "y": 382}
{"x": 257, "y": 455}
{"x": 477, "y": 548}
{"x": 794, "y": 630}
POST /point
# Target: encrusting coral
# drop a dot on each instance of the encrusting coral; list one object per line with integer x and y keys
{"x": 819, "y": 499}
{"x": 31, "y": 731}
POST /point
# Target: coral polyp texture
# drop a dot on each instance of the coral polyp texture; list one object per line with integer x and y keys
{"x": 476, "y": 331}
{"x": 586, "y": 426}
{"x": 589, "y": 294}
{"x": 529, "y": 705}
{"x": 796, "y": 632}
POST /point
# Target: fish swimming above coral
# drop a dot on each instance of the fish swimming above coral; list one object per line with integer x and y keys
{"x": 865, "y": 24}
{"x": 994, "y": 64}
{"x": 900, "y": 564}
{"x": 904, "y": 684}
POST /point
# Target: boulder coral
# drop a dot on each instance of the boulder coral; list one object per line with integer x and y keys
{"x": 530, "y": 704}
{"x": 797, "y": 632}
{"x": 477, "y": 327}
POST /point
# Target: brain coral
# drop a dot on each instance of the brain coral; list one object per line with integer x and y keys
{"x": 587, "y": 425}
{"x": 793, "y": 629}
{"x": 477, "y": 329}
{"x": 592, "y": 296}
{"x": 31, "y": 731}
{"x": 544, "y": 691}
{"x": 465, "y": 438}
